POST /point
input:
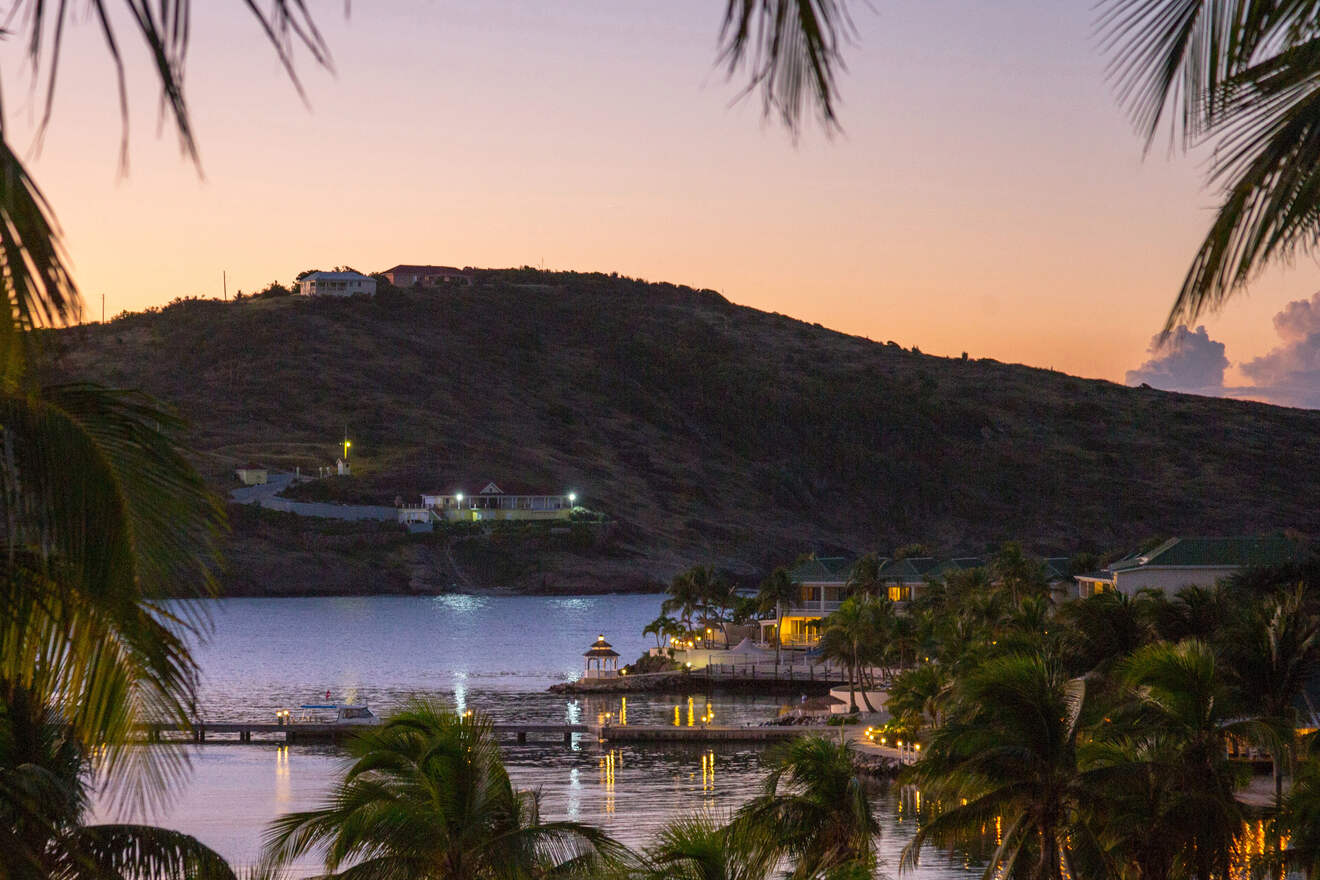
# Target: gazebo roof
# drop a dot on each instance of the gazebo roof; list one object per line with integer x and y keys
{"x": 601, "y": 648}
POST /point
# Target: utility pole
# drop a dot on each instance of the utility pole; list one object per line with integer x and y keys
{"x": 103, "y": 308}
{"x": 224, "y": 280}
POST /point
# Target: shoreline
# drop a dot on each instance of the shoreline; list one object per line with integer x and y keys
{"x": 688, "y": 682}
{"x": 500, "y": 592}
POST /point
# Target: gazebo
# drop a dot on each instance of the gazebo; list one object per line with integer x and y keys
{"x": 604, "y": 658}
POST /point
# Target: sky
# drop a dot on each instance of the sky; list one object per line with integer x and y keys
{"x": 986, "y": 194}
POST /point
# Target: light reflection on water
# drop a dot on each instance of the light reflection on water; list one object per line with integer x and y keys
{"x": 497, "y": 654}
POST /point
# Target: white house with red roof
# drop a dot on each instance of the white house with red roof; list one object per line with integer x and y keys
{"x": 405, "y": 275}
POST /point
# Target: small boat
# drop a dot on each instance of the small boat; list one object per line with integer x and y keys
{"x": 355, "y": 714}
{"x": 345, "y": 713}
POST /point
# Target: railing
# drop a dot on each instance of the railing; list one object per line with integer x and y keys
{"x": 769, "y": 671}
{"x": 800, "y": 640}
{"x": 825, "y": 605}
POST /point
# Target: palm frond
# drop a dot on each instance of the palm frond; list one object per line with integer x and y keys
{"x": 1172, "y": 52}
{"x": 101, "y": 516}
{"x": 138, "y": 852}
{"x": 164, "y": 29}
{"x": 792, "y": 52}
{"x": 38, "y": 288}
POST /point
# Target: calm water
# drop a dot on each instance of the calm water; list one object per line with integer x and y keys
{"x": 496, "y": 654}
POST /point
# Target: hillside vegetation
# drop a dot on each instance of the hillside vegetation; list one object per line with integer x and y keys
{"x": 705, "y": 430}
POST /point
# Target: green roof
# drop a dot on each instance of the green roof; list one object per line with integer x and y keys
{"x": 1057, "y": 567}
{"x": 824, "y": 569}
{"x": 1242, "y": 552}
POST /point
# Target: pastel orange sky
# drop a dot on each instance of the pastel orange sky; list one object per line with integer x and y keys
{"x": 987, "y": 195}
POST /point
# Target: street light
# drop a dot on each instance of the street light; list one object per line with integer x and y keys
{"x": 572, "y": 497}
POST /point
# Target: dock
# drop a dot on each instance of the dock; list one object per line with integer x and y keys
{"x": 521, "y": 733}
{"x": 335, "y": 731}
{"x": 621, "y": 733}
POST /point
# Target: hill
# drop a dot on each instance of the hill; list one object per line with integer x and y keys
{"x": 705, "y": 430}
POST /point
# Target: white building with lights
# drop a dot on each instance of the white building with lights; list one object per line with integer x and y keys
{"x": 492, "y": 502}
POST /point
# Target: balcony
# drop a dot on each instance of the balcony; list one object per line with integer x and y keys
{"x": 799, "y": 607}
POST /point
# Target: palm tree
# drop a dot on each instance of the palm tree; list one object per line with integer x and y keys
{"x": 1180, "y": 698}
{"x": 684, "y": 597}
{"x": 1238, "y": 76}
{"x": 1194, "y": 613}
{"x": 1017, "y": 573}
{"x": 777, "y": 594}
{"x": 902, "y": 637}
{"x": 1271, "y": 663}
{"x": 44, "y": 792}
{"x": 864, "y": 577}
{"x": 720, "y": 598}
{"x": 1104, "y": 628}
{"x": 700, "y": 848}
{"x": 104, "y": 519}
{"x": 852, "y": 636}
{"x": 814, "y": 811}
{"x": 1298, "y": 821}
{"x": 662, "y": 627}
{"x": 428, "y": 798}
{"x": 917, "y": 696}
{"x": 1009, "y": 754}
{"x": 1138, "y": 810}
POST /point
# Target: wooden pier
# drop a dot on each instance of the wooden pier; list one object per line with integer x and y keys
{"x": 335, "y": 731}
{"x": 621, "y": 733}
{"x": 257, "y": 731}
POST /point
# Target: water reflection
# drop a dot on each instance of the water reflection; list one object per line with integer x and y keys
{"x": 493, "y": 654}
{"x": 283, "y": 788}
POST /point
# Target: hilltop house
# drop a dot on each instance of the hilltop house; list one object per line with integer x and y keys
{"x": 492, "y": 502}
{"x": 1190, "y": 562}
{"x": 336, "y": 284}
{"x": 426, "y": 276}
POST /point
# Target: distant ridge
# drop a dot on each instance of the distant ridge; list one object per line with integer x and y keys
{"x": 708, "y": 431}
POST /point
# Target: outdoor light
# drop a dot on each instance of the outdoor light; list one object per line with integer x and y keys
{"x": 917, "y": 746}
{"x": 459, "y": 496}
{"x": 572, "y": 496}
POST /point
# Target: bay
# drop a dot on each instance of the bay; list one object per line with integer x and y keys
{"x": 497, "y": 654}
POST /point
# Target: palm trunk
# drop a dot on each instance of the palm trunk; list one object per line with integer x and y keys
{"x": 852, "y": 674}
{"x": 779, "y": 637}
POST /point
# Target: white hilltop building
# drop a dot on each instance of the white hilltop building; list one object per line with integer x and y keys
{"x": 336, "y": 284}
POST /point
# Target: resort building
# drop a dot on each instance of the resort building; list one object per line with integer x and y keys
{"x": 821, "y": 587}
{"x": 492, "y": 502}
{"x": 336, "y": 284}
{"x": 1190, "y": 562}
{"x": 426, "y": 276}
{"x": 823, "y": 583}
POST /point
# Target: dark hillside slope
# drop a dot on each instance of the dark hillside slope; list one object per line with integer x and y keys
{"x": 709, "y": 431}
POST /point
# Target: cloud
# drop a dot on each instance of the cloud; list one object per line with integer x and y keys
{"x": 1188, "y": 361}
{"x": 1290, "y": 373}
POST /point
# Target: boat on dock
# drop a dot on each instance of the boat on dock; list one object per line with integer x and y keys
{"x": 346, "y": 714}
